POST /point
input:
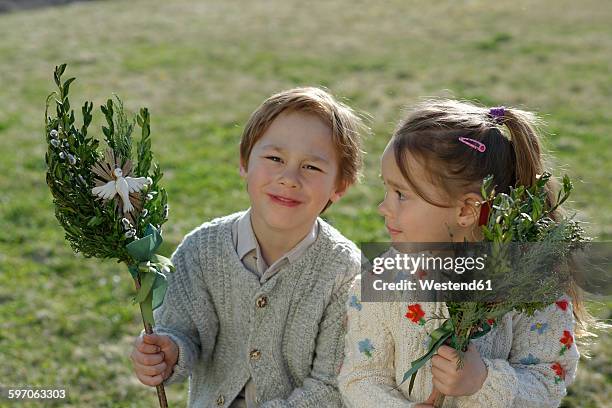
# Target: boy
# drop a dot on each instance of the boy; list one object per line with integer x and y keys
{"x": 254, "y": 312}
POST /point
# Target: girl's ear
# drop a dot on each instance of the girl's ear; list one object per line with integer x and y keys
{"x": 468, "y": 211}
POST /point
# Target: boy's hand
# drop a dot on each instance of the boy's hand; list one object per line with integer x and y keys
{"x": 450, "y": 381}
{"x": 154, "y": 357}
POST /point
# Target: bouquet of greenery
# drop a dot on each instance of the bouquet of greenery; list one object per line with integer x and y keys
{"x": 109, "y": 207}
{"x": 522, "y": 216}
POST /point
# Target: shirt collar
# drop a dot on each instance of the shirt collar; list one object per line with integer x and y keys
{"x": 246, "y": 237}
{"x": 246, "y": 241}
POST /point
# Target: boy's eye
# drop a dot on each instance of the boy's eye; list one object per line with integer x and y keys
{"x": 274, "y": 158}
{"x": 310, "y": 167}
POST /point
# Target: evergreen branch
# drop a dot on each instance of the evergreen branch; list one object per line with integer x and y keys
{"x": 94, "y": 228}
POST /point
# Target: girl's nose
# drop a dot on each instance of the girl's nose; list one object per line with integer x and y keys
{"x": 382, "y": 209}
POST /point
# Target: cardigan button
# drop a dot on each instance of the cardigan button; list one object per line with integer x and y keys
{"x": 221, "y": 400}
{"x": 262, "y": 301}
{"x": 255, "y": 355}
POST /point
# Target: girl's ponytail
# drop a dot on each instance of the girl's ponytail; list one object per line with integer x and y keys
{"x": 529, "y": 162}
{"x": 526, "y": 144}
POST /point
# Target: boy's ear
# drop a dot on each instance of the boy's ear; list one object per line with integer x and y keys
{"x": 243, "y": 169}
{"x": 340, "y": 191}
{"x": 469, "y": 211}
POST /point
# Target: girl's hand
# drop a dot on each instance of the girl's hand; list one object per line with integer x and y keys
{"x": 453, "y": 382}
{"x": 430, "y": 401}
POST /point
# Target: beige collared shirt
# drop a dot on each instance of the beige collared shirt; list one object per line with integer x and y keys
{"x": 249, "y": 252}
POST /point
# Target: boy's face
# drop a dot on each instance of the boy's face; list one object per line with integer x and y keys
{"x": 291, "y": 174}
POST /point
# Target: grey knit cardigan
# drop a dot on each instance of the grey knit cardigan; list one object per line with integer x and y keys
{"x": 287, "y": 334}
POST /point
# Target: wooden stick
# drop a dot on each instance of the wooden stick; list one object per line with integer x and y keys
{"x": 161, "y": 392}
{"x": 439, "y": 401}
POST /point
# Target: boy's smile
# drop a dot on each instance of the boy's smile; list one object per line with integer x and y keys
{"x": 291, "y": 175}
{"x": 284, "y": 201}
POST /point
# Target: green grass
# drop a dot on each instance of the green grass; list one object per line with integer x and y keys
{"x": 201, "y": 68}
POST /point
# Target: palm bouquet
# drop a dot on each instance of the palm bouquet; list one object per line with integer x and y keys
{"x": 109, "y": 205}
{"x": 522, "y": 216}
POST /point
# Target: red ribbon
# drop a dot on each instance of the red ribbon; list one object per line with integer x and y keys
{"x": 484, "y": 213}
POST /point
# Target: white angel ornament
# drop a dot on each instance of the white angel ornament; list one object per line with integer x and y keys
{"x": 114, "y": 180}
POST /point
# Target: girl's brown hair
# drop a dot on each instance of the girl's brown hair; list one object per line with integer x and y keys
{"x": 430, "y": 135}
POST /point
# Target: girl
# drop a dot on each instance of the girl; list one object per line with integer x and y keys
{"x": 433, "y": 169}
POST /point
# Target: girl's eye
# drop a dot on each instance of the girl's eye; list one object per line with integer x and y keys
{"x": 400, "y": 195}
{"x": 274, "y": 158}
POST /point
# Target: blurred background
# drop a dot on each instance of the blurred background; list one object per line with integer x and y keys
{"x": 201, "y": 67}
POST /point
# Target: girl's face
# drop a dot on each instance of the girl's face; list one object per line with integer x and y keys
{"x": 408, "y": 217}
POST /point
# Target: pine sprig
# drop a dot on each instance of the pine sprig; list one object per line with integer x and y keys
{"x": 144, "y": 145}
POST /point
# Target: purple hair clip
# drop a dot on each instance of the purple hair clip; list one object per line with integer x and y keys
{"x": 497, "y": 113}
{"x": 474, "y": 144}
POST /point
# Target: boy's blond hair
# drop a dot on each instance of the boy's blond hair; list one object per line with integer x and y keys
{"x": 345, "y": 125}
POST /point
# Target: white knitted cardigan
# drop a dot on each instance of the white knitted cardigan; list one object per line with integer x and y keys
{"x": 530, "y": 360}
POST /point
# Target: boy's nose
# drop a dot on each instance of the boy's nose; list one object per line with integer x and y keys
{"x": 288, "y": 178}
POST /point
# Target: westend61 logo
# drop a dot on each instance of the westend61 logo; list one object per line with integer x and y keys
{"x": 411, "y": 263}
{"x": 480, "y": 272}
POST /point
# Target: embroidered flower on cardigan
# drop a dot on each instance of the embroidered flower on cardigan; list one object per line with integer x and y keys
{"x": 355, "y": 303}
{"x": 559, "y": 371}
{"x": 562, "y": 304}
{"x": 416, "y": 314}
{"x": 530, "y": 360}
{"x": 540, "y": 327}
{"x": 366, "y": 347}
{"x": 567, "y": 341}
{"x": 492, "y": 323}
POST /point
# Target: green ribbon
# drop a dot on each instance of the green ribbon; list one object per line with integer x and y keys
{"x": 438, "y": 337}
{"x": 486, "y": 327}
{"x": 150, "y": 271}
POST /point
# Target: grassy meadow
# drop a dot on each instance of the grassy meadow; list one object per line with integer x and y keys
{"x": 201, "y": 68}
